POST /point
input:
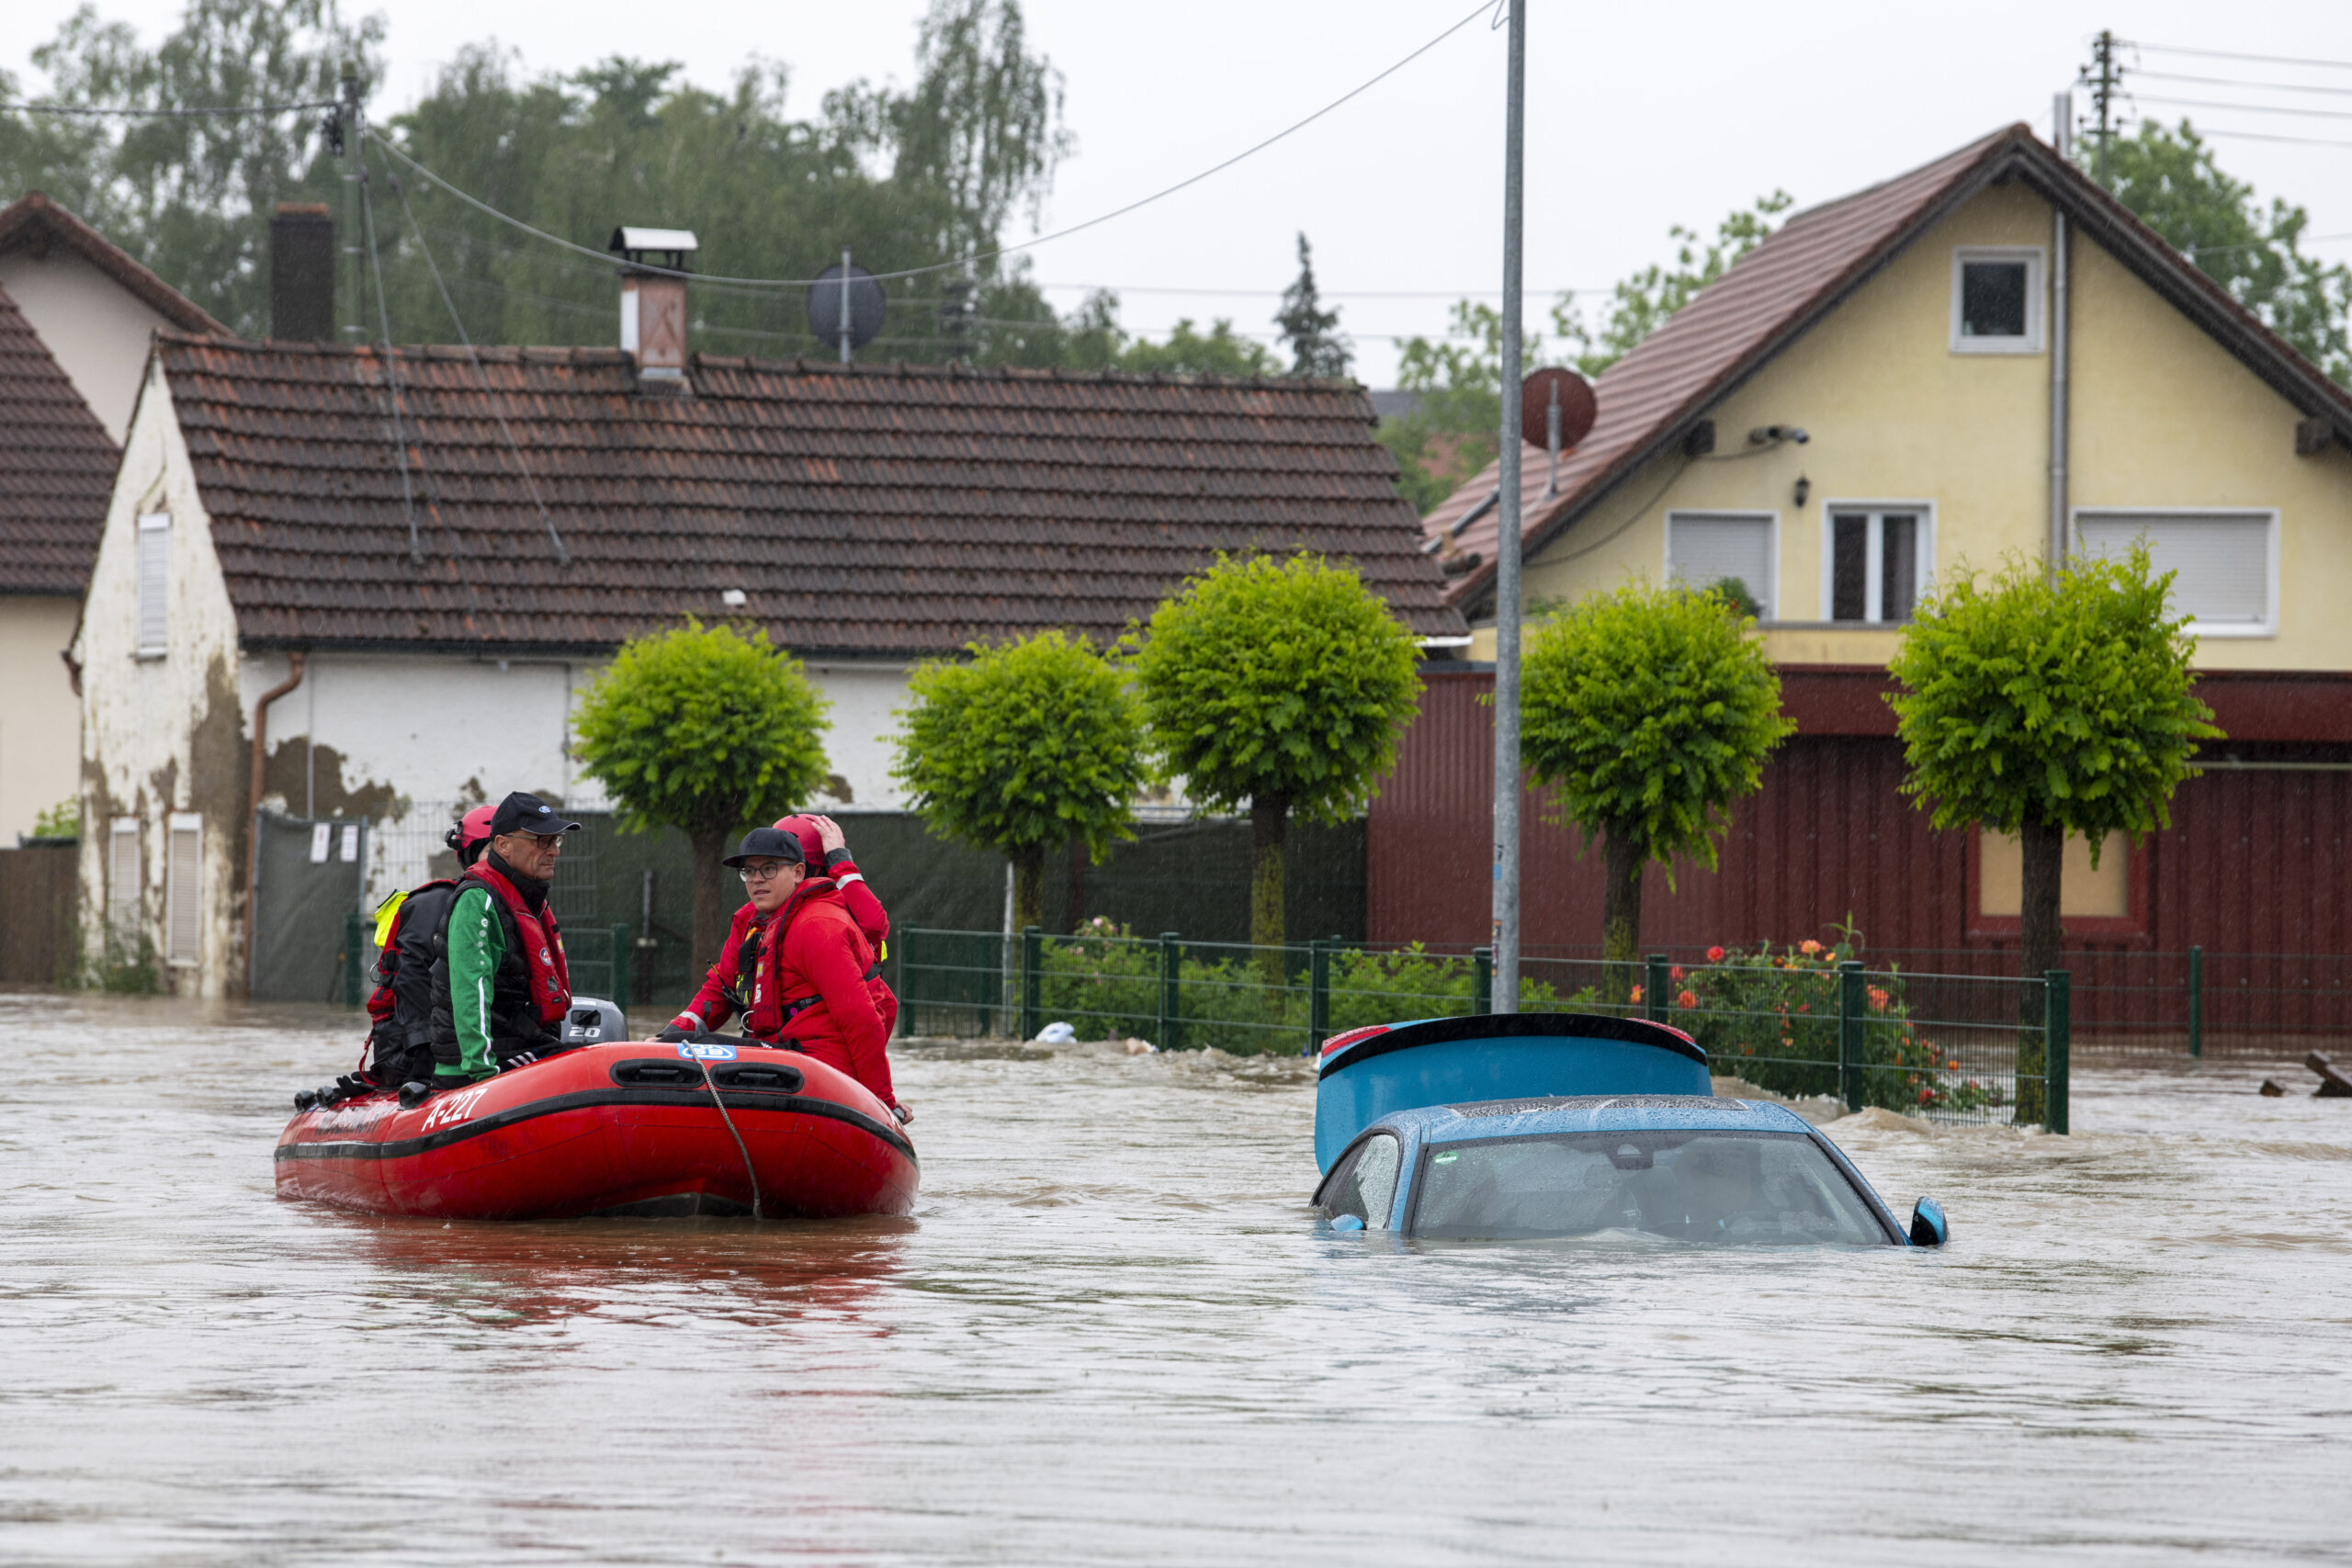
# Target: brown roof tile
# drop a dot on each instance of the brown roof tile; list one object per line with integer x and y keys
{"x": 1655, "y": 394}
{"x": 56, "y": 467}
{"x": 877, "y": 510}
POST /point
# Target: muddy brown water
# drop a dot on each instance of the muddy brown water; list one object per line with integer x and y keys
{"x": 1111, "y": 1333}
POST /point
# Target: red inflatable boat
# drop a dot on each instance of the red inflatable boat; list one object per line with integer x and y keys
{"x": 620, "y": 1128}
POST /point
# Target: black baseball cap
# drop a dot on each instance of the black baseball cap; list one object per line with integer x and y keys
{"x": 520, "y": 813}
{"x": 767, "y": 844}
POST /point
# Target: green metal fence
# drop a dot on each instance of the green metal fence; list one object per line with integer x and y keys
{"x": 599, "y": 958}
{"x": 1965, "y": 1048}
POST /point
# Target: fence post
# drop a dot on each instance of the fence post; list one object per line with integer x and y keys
{"x": 355, "y": 955}
{"x": 1318, "y": 994}
{"x": 1481, "y": 981}
{"x": 2196, "y": 1001}
{"x": 1853, "y": 1002}
{"x": 1654, "y": 986}
{"x": 1170, "y": 1023}
{"x": 2057, "y": 1026}
{"x": 1033, "y": 979}
{"x": 620, "y": 966}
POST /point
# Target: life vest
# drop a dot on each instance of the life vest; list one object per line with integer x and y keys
{"x": 771, "y": 1008}
{"x": 533, "y": 986}
{"x": 400, "y": 1007}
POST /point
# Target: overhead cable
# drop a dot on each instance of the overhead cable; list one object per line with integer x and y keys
{"x": 2232, "y": 54}
{"x": 2295, "y": 109}
{"x": 226, "y": 111}
{"x": 965, "y": 261}
{"x": 2241, "y": 82}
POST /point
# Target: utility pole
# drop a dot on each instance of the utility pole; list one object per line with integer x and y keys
{"x": 351, "y": 127}
{"x": 1505, "y": 939}
{"x": 2105, "y": 79}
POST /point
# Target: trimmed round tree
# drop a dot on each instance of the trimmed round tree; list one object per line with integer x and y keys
{"x": 2043, "y": 703}
{"x": 1282, "y": 685}
{"x": 1021, "y": 750}
{"x": 707, "y": 730}
{"x": 1648, "y": 711}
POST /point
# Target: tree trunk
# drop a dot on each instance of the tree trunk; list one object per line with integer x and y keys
{"x": 714, "y": 883}
{"x": 1077, "y": 882}
{"x": 1028, "y": 887}
{"x": 1621, "y": 909}
{"x": 1269, "y": 821}
{"x": 2041, "y": 943}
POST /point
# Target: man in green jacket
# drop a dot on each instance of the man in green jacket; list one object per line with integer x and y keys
{"x": 499, "y": 981}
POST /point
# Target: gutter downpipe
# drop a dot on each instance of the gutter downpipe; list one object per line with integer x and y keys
{"x": 252, "y": 805}
{"x": 2055, "y": 555}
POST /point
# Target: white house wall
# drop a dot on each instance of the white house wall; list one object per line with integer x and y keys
{"x": 97, "y": 330}
{"x": 41, "y": 718}
{"x": 163, "y": 735}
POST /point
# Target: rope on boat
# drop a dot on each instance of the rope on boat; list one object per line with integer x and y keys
{"x": 711, "y": 1084}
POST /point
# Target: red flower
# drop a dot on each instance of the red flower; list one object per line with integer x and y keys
{"x": 1879, "y": 999}
{"x": 1927, "y": 1096}
{"x": 1637, "y": 993}
{"x": 1808, "y": 947}
{"x": 1675, "y": 974}
{"x": 1687, "y": 1000}
{"x": 1714, "y": 955}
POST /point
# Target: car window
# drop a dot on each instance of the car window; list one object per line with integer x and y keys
{"x": 1713, "y": 1187}
{"x": 1364, "y": 1182}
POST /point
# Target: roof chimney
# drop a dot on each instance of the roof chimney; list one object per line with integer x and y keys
{"x": 302, "y": 273}
{"x": 654, "y": 302}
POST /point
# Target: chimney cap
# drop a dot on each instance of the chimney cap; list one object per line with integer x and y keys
{"x": 635, "y": 243}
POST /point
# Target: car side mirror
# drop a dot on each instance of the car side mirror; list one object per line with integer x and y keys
{"x": 1347, "y": 1223}
{"x": 1929, "y": 1226}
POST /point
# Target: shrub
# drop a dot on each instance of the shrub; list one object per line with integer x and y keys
{"x": 1772, "y": 1018}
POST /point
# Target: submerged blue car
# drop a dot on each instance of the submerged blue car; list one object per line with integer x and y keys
{"x": 1543, "y": 1125}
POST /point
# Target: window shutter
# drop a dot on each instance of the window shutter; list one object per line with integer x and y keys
{"x": 122, "y": 874}
{"x": 186, "y": 869}
{"x": 154, "y": 579}
{"x": 2222, "y": 560}
{"x": 1703, "y": 550}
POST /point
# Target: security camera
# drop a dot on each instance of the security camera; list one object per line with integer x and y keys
{"x": 1765, "y": 434}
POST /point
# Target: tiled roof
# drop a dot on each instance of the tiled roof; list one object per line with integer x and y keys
{"x": 34, "y": 223}
{"x": 56, "y": 467}
{"x": 861, "y": 509}
{"x": 1652, "y": 397}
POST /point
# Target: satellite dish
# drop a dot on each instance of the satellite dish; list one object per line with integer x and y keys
{"x": 1577, "y": 407}
{"x": 864, "y": 301}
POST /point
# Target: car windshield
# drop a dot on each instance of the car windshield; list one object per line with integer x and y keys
{"x": 1709, "y": 1187}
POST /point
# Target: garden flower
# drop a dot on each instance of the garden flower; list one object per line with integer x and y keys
{"x": 1687, "y": 1000}
{"x": 1878, "y": 999}
{"x": 1714, "y": 955}
{"x": 1675, "y": 974}
{"x": 1637, "y": 994}
{"x": 1808, "y": 947}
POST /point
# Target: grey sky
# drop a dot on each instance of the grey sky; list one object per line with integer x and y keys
{"x": 1640, "y": 117}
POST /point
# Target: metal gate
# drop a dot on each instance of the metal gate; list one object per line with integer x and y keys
{"x": 313, "y": 875}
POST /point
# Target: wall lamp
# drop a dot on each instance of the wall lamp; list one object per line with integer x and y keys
{"x": 1804, "y": 487}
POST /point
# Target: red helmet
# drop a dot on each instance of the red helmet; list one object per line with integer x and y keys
{"x": 471, "y": 833}
{"x": 812, "y": 844}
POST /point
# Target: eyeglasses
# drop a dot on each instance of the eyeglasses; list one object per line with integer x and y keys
{"x": 767, "y": 872}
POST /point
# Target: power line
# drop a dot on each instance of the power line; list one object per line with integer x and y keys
{"x": 2230, "y": 54}
{"x": 2266, "y": 136}
{"x": 2245, "y": 108}
{"x": 2241, "y": 82}
{"x": 966, "y": 261}
{"x": 208, "y": 112}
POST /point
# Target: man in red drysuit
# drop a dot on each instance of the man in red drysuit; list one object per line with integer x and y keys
{"x": 804, "y": 971}
{"x": 822, "y": 845}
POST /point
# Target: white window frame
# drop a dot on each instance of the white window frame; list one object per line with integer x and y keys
{"x": 183, "y": 945}
{"x": 2036, "y": 274}
{"x": 1770, "y": 593}
{"x": 2269, "y": 624}
{"x": 125, "y": 884}
{"x": 1874, "y": 558}
{"x": 153, "y": 523}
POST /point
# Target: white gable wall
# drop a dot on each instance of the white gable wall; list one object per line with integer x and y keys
{"x": 163, "y": 735}
{"x": 97, "y": 330}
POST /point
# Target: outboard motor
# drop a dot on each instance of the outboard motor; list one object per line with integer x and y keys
{"x": 591, "y": 1020}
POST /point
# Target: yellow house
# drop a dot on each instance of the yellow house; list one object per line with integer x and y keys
{"x": 1985, "y": 359}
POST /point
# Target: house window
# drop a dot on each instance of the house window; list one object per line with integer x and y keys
{"x": 1995, "y": 300}
{"x": 2085, "y": 892}
{"x": 154, "y": 580}
{"x": 184, "y": 868}
{"x": 2225, "y": 564}
{"x": 122, "y": 874}
{"x": 1876, "y": 561}
{"x": 1702, "y": 548}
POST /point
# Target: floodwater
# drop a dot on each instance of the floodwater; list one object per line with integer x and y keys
{"x": 1111, "y": 1333}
